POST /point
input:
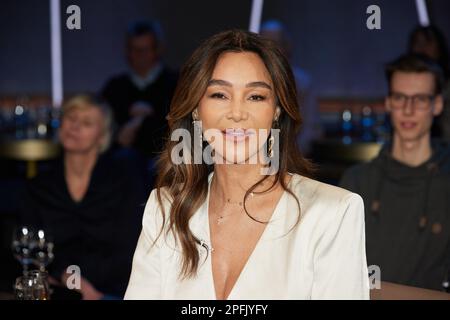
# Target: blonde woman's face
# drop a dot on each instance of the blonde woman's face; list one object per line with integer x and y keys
{"x": 82, "y": 130}
{"x": 238, "y": 102}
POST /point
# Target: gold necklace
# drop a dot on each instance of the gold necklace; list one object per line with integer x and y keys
{"x": 220, "y": 218}
{"x": 235, "y": 203}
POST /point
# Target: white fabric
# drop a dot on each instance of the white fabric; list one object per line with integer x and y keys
{"x": 323, "y": 257}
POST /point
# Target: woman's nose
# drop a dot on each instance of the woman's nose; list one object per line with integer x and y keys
{"x": 74, "y": 125}
{"x": 237, "y": 111}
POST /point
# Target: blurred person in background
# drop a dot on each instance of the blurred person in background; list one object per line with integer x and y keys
{"x": 311, "y": 127}
{"x": 431, "y": 42}
{"x": 406, "y": 189}
{"x": 140, "y": 98}
{"x": 90, "y": 203}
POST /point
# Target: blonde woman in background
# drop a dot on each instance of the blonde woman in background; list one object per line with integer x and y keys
{"x": 89, "y": 202}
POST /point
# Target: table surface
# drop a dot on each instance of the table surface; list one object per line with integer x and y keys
{"x": 6, "y": 296}
{"x": 336, "y": 150}
{"x": 29, "y": 150}
{"x": 393, "y": 291}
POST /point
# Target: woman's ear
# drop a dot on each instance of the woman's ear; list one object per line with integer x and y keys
{"x": 102, "y": 143}
{"x": 104, "y": 140}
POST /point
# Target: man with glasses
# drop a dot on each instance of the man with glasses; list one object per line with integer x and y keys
{"x": 406, "y": 189}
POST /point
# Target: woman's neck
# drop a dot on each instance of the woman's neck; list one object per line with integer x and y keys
{"x": 412, "y": 153}
{"x": 232, "y": 181}
{"x": 80, "y": 165}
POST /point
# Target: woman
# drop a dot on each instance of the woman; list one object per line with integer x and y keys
{"x": 89, "y": 202}
{"x": 225, "y": 230}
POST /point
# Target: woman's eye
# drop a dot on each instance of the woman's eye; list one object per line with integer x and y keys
{"x": 218, "y": 96}
{"x": 257, "y": 97}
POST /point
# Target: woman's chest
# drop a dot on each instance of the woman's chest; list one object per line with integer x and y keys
{"x": 277, "y": 268}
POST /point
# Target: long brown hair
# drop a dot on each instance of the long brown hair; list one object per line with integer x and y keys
{"x": 186, "y": 185}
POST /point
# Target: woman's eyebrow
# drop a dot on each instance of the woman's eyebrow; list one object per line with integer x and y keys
{"x": 258, "y": 84}
{"x": 218, "y": 82}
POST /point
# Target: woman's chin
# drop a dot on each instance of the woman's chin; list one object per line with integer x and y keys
{"x": 235, "y": 158}
{"x": 76, "y": 149}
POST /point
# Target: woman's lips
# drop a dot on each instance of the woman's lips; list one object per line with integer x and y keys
{"x": 237, "y": 135}
{"x": 71, "y": 136}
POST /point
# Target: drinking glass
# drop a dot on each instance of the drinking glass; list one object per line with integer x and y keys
{"x": 22, "y": 246}
{"x": 33, "y": 285}
{"x": 42, "y": 253}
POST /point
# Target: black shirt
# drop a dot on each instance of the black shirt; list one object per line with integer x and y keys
{"x": 121, "y": 93}
{"x": 407, "y": 216}
{"x": 99, "y": 233}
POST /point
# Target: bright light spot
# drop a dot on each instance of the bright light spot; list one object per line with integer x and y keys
{"x": 347, "y": 115}
{"x": 19, "y": 110}
{"x": 42, "y": 129}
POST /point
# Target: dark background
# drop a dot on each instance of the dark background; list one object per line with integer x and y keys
{"x": 331, "y": 40}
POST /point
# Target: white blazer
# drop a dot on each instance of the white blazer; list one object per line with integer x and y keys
{"x": 323, "y": 257}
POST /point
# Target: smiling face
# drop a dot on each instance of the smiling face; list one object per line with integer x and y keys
{"x": 238, "y": 102}
{"x": 413, "y": 122}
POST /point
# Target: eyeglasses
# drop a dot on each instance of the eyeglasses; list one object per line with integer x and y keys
{"x": 420, "y": 102}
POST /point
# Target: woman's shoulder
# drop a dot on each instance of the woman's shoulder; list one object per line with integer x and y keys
{"x": 158, "y": 200}
{"x": 327, "y": 206}
{"x": 157, "y": 209}
{"x": 309, "y": 187}
{"x": 323, "y": 196}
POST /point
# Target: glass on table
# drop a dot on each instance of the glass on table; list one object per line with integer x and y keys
{"x": 22, "y": 246}
{"x": 32, "y": 247}
{"x": 42, "y": 250}
{"x": 33, "y": 285}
